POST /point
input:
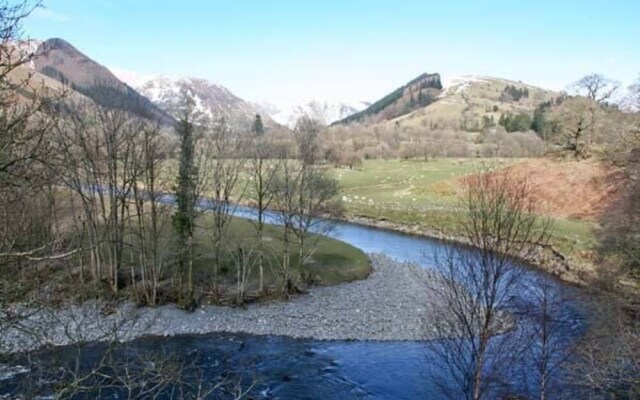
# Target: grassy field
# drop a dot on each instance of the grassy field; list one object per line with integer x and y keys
{"x": 425, "y": 193}
{"x": 333, "y": 261}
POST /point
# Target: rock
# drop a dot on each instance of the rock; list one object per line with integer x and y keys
{"x": 393, "y": 303}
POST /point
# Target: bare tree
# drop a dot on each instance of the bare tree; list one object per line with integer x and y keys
{"x": 151, "y": 216}
{"x": 620, "y": 223}
{"x": 596, "y": 87}
{"x": 81, "y": 152}
{"x": 226, "y": 193}
{"x": 244, "y": 260}
{"x": 285, "y": 201}
{"x": 607, "y": 365}
{"x": 263, "y": 168}
{"x": 478, "y": 283}
{"x": 548, "y": 341}
{"x": 579, "y": 120}
{"x": 25, "y": 176}
{"x": 315, "y": 204}
{"x": 119, "y": 136}
{"x": 633, "y": 96}
{"x": 307, "y": 131}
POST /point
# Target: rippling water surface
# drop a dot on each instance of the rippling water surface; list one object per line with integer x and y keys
{"x": 285, "y": 368}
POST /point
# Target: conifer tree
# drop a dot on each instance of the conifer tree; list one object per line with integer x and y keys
{"x": 185, "y": 192}
{"x": 258, "y": 126}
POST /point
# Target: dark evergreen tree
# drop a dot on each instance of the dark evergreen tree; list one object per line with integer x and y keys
{"x": 185, "y": 191}
{"x": 539, "y": 121}
{"x": 258, "y": 126}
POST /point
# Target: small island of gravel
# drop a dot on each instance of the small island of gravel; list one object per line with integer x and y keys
{"x": 393, "y": 303}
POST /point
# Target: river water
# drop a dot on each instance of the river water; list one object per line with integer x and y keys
{"x": 285, "y": 368}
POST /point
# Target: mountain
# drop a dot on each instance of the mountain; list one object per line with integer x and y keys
{"x": 415, "y": 94}
{"x": 467, "y": 101}
{"x": 213, "y": 100}
{"x": 27, "y": 49}
{"x": 61, "y": 61}
{"x": 324, "y": 111}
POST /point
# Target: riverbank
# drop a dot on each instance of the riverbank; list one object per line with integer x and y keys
{"x": 393, "y": 303}
{"x": 547, "y": 258}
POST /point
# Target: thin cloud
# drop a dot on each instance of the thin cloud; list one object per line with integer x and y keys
{"x": 49, "y": 15}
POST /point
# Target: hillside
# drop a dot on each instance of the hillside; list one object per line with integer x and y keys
{"x": 466, "y": 101}
{"x": 572, "y": 189}
{"x": 416, "y": 94}
{"x": 61, "y": 61}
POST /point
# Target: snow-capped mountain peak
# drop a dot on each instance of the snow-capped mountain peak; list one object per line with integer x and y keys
{"x": 211, "y": 99}
{"x": 324, "y": 111}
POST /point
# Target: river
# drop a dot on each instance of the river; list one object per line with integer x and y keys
{"x": 285, "y": 368}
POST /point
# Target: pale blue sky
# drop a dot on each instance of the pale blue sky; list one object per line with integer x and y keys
{"x": 284, "y": 51}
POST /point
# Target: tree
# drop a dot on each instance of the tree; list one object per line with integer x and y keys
{"x": 150, "y": 214}
{"x": 285, "y": 196}
{"x": 263, "y": 174}
{"x": 186, "y": 198}
{"x": 578, "y": 120}
{"x": 315, "y": 204}
{"x": 119, "y": 133}
{"x": 313, "y": 189}
{"x": 257, "y": 128}
{"x": 512, "y": 93}
{"x": 520, "y": 122}
{"x": 25, "y": 176}
{"x": 548, "y": 349}
{"x": 476, "y": 285}
{"x": 596, "y": 87}
{"x": 607, "y": 363}
{"x": 542, "y": 123}
{"x": 307, "y": 131}
{"x": 619, "y": 235}
{"x": 225, "y": 174}
{"x": 633, "y": 97}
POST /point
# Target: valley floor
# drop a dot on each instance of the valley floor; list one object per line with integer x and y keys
{"x": 421, "y": 197}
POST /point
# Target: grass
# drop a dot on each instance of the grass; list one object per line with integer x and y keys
{"x": 425, "y": 193}
{"x": 332, "y": 262}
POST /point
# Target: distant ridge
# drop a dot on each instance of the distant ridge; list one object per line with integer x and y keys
{"x": 59, "y": 60}
{"x": 417, "y": 93}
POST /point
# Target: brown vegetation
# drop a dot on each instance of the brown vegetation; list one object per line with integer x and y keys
{"x": 570, "y": 188}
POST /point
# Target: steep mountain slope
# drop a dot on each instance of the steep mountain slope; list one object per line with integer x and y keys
{"x": 467, "y": 100}
{"x": 31, "y": 84}
{"x": 417, "y": 93}
{"x": 212, "y": 100}
{"x": 324, "y": 111}
{"x": 61, "y": 61}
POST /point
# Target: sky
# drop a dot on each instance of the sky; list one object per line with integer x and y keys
{"x": 349, "y": 50}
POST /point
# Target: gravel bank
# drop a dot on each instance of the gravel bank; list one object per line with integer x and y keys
{"x": 393, "y": 303}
